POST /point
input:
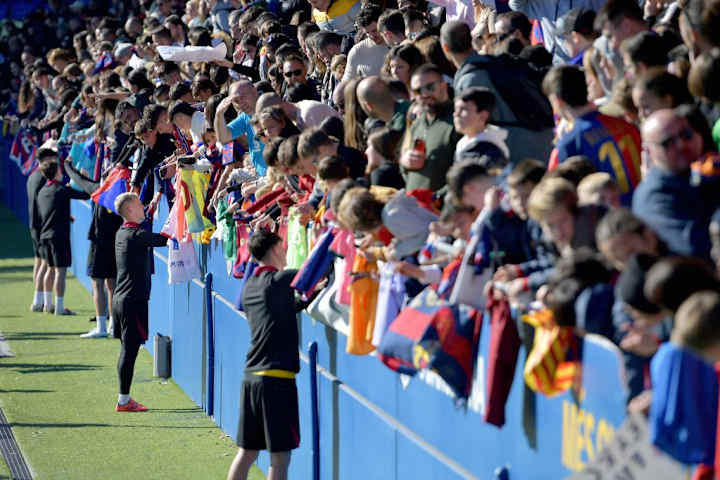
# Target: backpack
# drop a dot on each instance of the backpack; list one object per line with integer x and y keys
{"x": 519, "y": 84}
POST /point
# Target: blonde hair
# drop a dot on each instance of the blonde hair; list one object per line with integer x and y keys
{"x": 549, "y": 195}
{"x": 594, "y": 184}
{"x": 360, "y": 211}
{"x": 337, "y": 61}
{"x": 695, "y": 323}
{"x": 122, "y": 199}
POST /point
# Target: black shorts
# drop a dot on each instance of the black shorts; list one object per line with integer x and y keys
{"x": 130, "y": 320}
{"x": 269, "y": 418}
{"x": 56, "y": 252}
{"x": 35, "y": 239}
{"x": 101, "y": 261}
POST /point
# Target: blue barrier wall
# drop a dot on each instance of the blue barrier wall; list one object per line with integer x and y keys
{"x": 373, "y": 424}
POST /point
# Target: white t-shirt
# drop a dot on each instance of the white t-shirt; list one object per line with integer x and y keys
{"x": 366, "y": 58}
{"x": 197, "y": 126}
{"x": 312, "y": 113}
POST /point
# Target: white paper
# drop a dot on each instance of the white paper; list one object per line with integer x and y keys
{"x": 192, "y": 54}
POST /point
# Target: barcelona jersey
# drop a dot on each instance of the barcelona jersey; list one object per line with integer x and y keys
{"x": 612, "y": 144}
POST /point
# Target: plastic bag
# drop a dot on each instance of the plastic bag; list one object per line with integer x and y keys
{"x": 182, "y": 263}
{"x": 297, "y": 242}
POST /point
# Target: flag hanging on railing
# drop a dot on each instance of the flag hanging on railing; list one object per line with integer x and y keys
{"x": 193, "y": 185}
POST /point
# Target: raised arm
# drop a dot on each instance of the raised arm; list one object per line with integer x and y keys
{"x": 80, "y": 180}
{"x": 224, "y": 135}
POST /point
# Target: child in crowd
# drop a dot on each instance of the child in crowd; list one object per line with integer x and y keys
{"x": 640, "y": 325}
{"x": 532, "y": 272}
{"x": 696, "y": 325}
{"x": 600, "y": 189}
{"x": 554, "y": 204}
{"x": 620, "y": 234}
{"x": 473, "y": 112}
{"x": 337, "y": 66}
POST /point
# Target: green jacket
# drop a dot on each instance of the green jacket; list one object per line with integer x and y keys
{"x": 440, "y": 139}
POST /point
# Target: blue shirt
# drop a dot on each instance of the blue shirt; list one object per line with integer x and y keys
{"x": 241, "y": 126}
{"x": 612, "y": 144}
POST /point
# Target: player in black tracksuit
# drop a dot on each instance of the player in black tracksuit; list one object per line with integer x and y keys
{"x": 35, "y": 182}
{"x": 269, "y": 401}
{"x": 53, "y": 204}
{"x": 132, "y": 291}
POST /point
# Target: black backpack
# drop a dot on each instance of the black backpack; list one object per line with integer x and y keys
{"x": 519, "y": 84}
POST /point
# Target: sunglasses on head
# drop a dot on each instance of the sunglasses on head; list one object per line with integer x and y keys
{"x": 686, "y": 134}
{"x": 294, "y": 73}
{"x": 429, "y": 88}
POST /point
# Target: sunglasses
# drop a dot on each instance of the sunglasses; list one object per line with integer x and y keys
{"x": 429, "y": 88}
{"x": 294, "y": 73}
{"x": 686, "y": 134}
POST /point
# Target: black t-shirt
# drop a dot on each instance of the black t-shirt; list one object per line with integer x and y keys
{"x": 151, "y": 158}
{"x": 35, "y": 182}
{"x": 104, "y": 226}
{"x": 134, "y": 263}
{"x": 53, "y": 205}
{"x": 355, "y": 159}
{"x": 387, "y": 175}
{"x": 270, "y": 306}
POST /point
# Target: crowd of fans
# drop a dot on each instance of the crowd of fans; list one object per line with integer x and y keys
{"x": 566, "y": 150}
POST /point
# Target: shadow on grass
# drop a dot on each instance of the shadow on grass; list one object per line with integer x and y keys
{"x": 44, "y": 368}
{"x": 38, "y": 335}
{"x": 27, "y": 390}
{"x": 179, "y": 410}
{"x": 16, "y": 268}
{"x": 104, "y": 425}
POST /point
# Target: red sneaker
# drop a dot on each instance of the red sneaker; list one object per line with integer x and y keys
{"x": 131, "y": 406}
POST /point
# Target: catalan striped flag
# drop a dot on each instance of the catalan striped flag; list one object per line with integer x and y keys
{"x": 116, "y": 183}
{"x": 549, "y": 368}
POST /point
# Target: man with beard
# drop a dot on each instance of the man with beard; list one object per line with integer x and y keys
{"x": 432, "y": 139}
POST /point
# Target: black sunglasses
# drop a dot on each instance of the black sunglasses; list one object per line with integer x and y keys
{"x": 294, "y": 73}
{"x": 430, "y": 87}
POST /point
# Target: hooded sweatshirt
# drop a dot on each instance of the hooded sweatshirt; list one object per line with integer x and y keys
{"x": 490, "y": 142}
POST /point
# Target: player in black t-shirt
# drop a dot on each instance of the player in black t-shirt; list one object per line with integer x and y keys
{"x": 53, "y": 204}
{"x": 35, "y": 182}
{"x": 132, "y": 291}
{"x": 269, "y": 417}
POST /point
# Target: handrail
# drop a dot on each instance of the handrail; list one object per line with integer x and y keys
{"x": 210, "y": 376}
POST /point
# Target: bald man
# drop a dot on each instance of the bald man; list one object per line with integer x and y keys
{"x": 377, "y": 101}
{"x": 305, "y": 113}
{"x": 669, "y": 200}
{"x": 243, "y": 96}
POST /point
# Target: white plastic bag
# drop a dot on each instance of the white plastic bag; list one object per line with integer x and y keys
{"x": 182, "y": 263}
